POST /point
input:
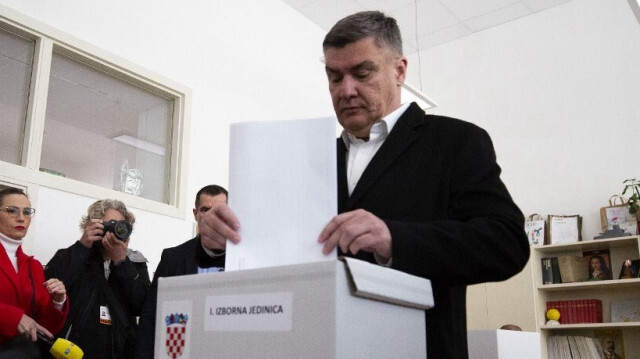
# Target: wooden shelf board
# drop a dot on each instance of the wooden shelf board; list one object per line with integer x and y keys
{"x": 587, "y": 245}
{"x": 590, "y": 326}
{"x": 613, "y": 283}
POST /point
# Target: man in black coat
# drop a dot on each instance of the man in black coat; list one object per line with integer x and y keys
{"x": 191, "y": 257}
{"x": 107, "y": 281}
{"x": 418, "y": 193}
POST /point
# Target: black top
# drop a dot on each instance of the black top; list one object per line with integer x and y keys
{"x": 81, "y": 269}
{"x": 180, "y": 260}
{"x": 436, "y": 184}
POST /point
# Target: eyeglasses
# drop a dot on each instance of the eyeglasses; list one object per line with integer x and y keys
{"x": 13, "y": 211}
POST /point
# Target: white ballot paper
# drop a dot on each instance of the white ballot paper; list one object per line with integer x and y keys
{"x": 283, "y": 189}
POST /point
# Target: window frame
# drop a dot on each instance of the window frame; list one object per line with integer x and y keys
{"x": 47, "y": 40}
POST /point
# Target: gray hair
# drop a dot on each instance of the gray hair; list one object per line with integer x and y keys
{"x": 99, "y": 208}
{"x": 365, "y": 24}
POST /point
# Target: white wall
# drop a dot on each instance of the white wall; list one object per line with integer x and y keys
{"x": 244, "y": 60}
{"x": 559, "y": 92}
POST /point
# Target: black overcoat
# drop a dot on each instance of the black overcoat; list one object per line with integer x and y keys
{"x": 436, "y": 184}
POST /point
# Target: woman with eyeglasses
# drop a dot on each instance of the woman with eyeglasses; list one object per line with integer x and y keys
{"x": 28, "y": 303}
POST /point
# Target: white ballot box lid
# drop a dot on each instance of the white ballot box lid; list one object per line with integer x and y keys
{"x": 381, "y": 283}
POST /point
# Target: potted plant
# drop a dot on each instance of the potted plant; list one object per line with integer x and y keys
{"x": 632, "y": 185}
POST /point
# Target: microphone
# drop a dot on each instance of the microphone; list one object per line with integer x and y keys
{"x": 62, "y": 348}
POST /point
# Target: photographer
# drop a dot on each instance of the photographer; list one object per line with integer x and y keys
{"x": 107, "y": 281}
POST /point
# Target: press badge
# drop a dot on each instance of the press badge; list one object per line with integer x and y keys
{"x": 105, "y": 316}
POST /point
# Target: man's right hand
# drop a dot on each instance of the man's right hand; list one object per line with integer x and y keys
{"x": 219, "y": 224}
{"x": 93, "y": 232}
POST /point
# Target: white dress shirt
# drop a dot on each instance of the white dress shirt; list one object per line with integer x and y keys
{"x": 360, "y": 152}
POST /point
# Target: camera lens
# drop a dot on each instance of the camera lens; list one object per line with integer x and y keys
{"x": 120, "y": 230}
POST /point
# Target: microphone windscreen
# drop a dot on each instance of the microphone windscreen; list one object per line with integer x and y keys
{"x": 64, "y": 349}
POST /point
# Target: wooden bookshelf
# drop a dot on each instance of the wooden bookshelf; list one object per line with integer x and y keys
{"x": 620, "y": 249}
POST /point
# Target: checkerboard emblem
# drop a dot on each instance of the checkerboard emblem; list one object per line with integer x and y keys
{"x": 176, "y": 334}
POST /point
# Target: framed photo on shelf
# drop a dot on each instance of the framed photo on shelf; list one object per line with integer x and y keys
{"x": 611, "y": 342}
{"x": 598, "y": 264}
{"x": 630, "y": 269}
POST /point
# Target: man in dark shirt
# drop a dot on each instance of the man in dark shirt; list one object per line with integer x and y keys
{"x": 197, "y": 255}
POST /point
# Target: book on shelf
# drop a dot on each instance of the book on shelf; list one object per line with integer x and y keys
{"x": 558, "y": 347}
{"x": 550, "y": 270}
{"x": 573, "y": 347}
{"x": 611, "y": 342}
{"x": 572, "y": 268}
{"x": 578, "y": 310}
{"x": 625, "y": 310}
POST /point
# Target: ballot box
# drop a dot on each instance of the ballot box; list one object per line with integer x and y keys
{"x": 503, "y": 344}
{"x": 343, "y": 308}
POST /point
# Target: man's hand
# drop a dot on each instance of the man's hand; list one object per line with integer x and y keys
{"x": 93, "y": 232}
{"x": 356, "y": 231}
{"x": 56, "y": 289}
{"x": 217, "y": 225}
{"x": 114, "y": 248}
{"x": 28, "y": 327}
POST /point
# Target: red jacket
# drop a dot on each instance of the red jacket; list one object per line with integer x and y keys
{"x": 16, "y": 296}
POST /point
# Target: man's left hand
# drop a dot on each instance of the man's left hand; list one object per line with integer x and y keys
{"x": 355, "y": 231}
{"x": 115, "y": 249}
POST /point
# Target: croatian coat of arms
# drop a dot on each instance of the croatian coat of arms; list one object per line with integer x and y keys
{"x": 176, "y": 334}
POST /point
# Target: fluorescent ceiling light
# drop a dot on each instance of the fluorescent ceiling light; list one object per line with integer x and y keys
{"x": 140, "y": 144}
{"x": 411, "y": 94}
{"x": 635, "y": 7}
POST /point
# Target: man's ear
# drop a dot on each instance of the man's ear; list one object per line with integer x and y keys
{"x": 195, "y": 211}
{"x": 401, "y": 70}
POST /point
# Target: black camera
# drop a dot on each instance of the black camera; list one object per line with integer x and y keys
{"x": 121, "y": 229}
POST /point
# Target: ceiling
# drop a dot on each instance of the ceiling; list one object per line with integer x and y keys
{"x": 427, "y": 23}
